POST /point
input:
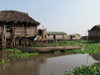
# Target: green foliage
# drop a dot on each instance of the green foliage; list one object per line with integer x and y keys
{"x": 13, "y": 50}
{"x": 71, "y": 43}
{"x": 23, "y": 55}
{"x": 52, "y": 74}
{"x": 3, "y": 61}
{"x": 19, "y": 54}
{"x": 90, "y": 48}
{"x": 94, "y": 69}
{"x": 57, "y": 52}
{"x": 61, "y": 43}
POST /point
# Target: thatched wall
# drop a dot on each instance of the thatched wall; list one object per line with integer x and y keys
{"x": 22, "y": 31}
{"x": 31, "y": 31}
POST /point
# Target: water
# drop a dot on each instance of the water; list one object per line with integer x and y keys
{"x": 45, "y": 64}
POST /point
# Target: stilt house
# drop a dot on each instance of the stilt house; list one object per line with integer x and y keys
{"x": 94, "y": 34}
{"x": 16, "y": 27}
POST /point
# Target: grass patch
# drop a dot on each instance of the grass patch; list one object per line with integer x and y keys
{"x": 61, "y": 43}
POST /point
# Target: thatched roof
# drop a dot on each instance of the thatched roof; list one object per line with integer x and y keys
{"x": 16, "y": 17}
{"x": 96, "y": 28}
{"x": 56, "y": 33}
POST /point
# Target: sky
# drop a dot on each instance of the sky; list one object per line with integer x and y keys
{"x": 70, "y": 16}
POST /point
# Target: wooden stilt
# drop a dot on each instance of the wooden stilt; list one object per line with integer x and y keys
{"x": 4, "y": 37}
{"x": 24, "y": 42}
{"x": 13, "y": 36}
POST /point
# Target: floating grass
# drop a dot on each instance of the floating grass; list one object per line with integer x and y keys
{"x": 57, "y": 52}
{"x": 3, "y": 61}
{"x": 94, "y": 69}
{"x": 23, "y": 55}
{"x": 89, "y": 48}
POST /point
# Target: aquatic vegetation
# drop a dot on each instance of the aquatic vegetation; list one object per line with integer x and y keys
{"x": 23, "y": 55}
{"x": 57, "y": 52}
{"x": 71, "y": 43}
{"x": 94, "y": 69}
{"x": 52, "y": 74}
{"x": 18, "y": 53}
{"x": 92, "y": 48}
{"x": 3, "y": 61}
{"x": 13, "y": 50}
{"x": 61, "y": 43}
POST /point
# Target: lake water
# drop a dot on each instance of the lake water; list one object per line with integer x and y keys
{"x": 45, "y": 64}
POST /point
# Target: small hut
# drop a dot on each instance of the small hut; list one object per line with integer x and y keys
{"x": 94, "y": 34}
{"x": 55, "y": 36}
{"x": 16, "y": 27}
{"x": 75, "y": 37}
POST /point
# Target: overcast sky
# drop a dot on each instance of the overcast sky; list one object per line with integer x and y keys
{"x": 70, "y": 16}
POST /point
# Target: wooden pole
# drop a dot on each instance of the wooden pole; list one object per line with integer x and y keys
{"x": 4, "y": 37}
{"x": 13, "y": 36}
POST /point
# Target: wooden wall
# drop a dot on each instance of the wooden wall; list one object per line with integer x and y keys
{"x": 57, "y": 37}
{"x": 0, "y": 30}
{"x": 23, "y": 31}
{"x": 49, "y": 37}
{"x": 76, "y": 37}
{"x": 31, "y": 31}
{"x": 94, "y": 33}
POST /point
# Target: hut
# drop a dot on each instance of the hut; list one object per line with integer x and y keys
{"x": 75, "y": 36}
{"x": 55, "y": 36}
{"x": 16, "y": 27}
{"x": 94, "y": 34}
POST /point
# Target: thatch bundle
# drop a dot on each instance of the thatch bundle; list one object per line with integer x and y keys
{"x": 16, "y": 17}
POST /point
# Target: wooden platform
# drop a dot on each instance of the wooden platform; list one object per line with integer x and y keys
{"x": 50, "y": 49}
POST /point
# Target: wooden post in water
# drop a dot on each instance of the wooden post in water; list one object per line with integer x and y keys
{"x": 4, "y": 37}
{"x": 13, "y": 36}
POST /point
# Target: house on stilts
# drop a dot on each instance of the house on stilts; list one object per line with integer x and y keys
{"x": 94, "y": 34}
{"x": 16, "y": 29}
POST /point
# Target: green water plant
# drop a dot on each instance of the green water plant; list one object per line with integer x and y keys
{"x": 3, "y": 61}
{"x": 92, "y": 48}
{"x": 94, "y": 69}
{"x": 23, "y": 55}
{"x": 57, "y": 52}
{"x": 13, "y": 50}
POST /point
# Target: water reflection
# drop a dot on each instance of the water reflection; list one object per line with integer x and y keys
{"x": 45, "y": 64}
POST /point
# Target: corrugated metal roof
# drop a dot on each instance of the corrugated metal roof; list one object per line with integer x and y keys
{"x": 56, "y": 33}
